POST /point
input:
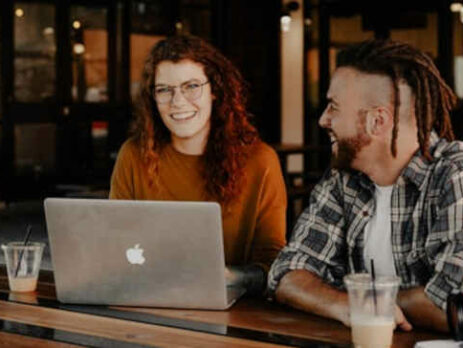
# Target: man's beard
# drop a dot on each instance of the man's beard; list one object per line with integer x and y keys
{"x": 348, "y": 150}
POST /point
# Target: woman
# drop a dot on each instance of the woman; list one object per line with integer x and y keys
{"x": 192, "y": 141}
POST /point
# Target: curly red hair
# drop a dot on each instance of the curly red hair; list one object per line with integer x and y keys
{"x": 231, "y": 134}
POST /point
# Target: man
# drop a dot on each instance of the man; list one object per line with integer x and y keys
{"x": 394, "y": 193}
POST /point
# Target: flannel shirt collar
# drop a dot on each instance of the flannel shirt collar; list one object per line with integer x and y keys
{"x": 365, "y": 181}
{"x": 417, "y": 169}
{"x": 415, "y": 172}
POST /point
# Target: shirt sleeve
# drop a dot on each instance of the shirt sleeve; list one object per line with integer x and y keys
{"x": 444, "y": 245}
{"x": 270, "y": 231}
{"x": 318, "y": 241}
{"x": 122, "y": 177}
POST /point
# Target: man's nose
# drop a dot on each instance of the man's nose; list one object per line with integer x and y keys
{"x": 324, "y": 121}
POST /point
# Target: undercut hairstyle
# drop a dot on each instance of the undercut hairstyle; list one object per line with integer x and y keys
{"x": 231, "y": 133}
{"x": 434, "y": 99}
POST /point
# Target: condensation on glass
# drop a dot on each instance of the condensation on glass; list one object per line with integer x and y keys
{"x": 89, "y": 50}
{"x": 34, "y": 52}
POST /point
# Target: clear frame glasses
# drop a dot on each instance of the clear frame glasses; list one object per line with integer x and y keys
{"x": 191, "y": 90}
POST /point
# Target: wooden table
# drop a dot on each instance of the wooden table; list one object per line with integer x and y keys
{"x": 38, "y": 320}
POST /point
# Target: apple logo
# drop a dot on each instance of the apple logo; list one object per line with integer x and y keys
{"x": 135, "y": 255}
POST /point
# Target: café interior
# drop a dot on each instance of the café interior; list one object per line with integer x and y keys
{"x": 70, "y": 74}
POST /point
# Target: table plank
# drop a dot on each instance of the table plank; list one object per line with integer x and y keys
{"x": 259, "y": 315}
{"x": 121, "y": 330}
{"x": 21, "y": 341}
{"x": 252, "y": 314}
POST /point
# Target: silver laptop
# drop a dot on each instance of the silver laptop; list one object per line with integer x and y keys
{"x": 138, "y": 253}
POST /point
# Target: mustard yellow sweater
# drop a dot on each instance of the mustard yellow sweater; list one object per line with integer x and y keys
{"x": 253, "y": 224}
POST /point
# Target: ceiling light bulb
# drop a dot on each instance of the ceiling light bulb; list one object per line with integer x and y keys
{"x": 19, "y": 12}
{"x": 285, "y": 22}
{"x": 79, "y": 48}
{"x": 456, "y": 7}
{"x": 48, "y": 31}
{"x": 76, "y": 24}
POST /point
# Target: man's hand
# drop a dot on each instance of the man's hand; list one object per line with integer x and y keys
{"x": 421, "y": 311}
{"x": 401, "y": 321}
{"x": 305, "y": 290}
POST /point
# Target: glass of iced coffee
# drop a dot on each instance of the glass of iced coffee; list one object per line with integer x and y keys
{"x": 23, "y": 265}
{"x": 372, "y": 309}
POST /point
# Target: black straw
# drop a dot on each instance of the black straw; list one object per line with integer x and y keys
{"x": 26, "y": 240}
{"x": 373, "y": 276}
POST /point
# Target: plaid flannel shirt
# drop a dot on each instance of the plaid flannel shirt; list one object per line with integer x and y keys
{"x": 426, "y": 218}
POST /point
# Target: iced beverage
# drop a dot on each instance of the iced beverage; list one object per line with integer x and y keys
{"x": 372, "y": 333}
{"x": 372, "y": 309}
{"x": 23, "y": 265}
{"x": 23, "y": 284}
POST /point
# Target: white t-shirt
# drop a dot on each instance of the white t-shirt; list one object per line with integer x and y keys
{"x": 377, "y": 237}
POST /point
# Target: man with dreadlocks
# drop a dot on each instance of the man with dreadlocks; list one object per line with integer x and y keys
{"x": 394, "y": 193}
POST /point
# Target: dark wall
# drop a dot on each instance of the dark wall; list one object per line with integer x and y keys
{"x": 247, "y": 32}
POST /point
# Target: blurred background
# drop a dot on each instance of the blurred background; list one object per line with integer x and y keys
{"x": 70, "y": 73}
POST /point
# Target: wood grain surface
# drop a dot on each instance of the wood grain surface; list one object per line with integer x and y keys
{"x": 257, "y": 315}
{"x": 121, "y": 330}
{"x": 20, "y": 341}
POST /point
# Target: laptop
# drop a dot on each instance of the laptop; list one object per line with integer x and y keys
{"x": 138, "y": 253}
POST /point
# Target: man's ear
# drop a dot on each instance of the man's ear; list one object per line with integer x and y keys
{"x": 379, "y": 120}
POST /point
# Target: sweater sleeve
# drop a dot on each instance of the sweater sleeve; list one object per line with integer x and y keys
{"x": 122, "y": 181}
{"x": 270, "y": 233}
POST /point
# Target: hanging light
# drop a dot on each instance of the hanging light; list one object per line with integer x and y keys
{"x": 48, "y": 31}
{"x": 79, "y": 48}
{"x": 141, "y": 8}
{"x": 456, "y": 7}
{"x": 76, "y": 24}
{"x": 285, "y": 19}
{"x": 19, "y": 12}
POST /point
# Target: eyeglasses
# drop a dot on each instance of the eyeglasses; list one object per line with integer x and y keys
{"x": 191, "y": 90}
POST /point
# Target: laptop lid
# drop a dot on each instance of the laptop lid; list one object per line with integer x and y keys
{"x": 137, "y": 253}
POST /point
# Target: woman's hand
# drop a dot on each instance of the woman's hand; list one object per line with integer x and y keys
{"x": 234, "y": 276}
{"x": 251, "y": 278}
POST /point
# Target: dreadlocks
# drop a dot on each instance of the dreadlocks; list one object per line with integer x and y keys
{"x": 433, "y": 97}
